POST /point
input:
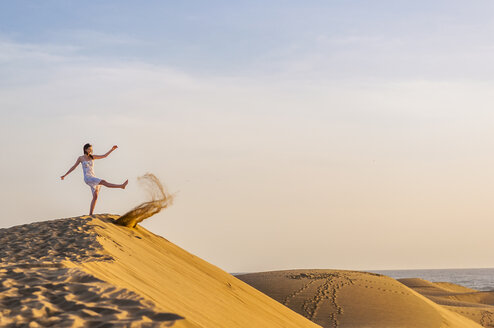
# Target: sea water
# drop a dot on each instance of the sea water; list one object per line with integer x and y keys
{"x": 480, "y": 279}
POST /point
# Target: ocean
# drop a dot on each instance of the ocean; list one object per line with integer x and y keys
{"x": 480, "y": 279}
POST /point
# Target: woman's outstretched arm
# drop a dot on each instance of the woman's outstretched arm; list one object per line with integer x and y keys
{"x": 72, "y": 168}
{"x": 108, "y": 153}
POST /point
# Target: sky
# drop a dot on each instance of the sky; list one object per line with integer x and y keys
{"x": 317, "y": 134}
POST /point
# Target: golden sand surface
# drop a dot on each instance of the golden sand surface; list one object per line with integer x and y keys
{"x": 89, "y": 272}
{"x": 344, "y": 299}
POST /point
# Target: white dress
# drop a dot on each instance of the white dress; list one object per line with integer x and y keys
{"x": 89, "y": 177}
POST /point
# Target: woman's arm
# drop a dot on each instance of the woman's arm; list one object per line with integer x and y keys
{"x": 108, "y": 153}
{"x": 72, "y": 168}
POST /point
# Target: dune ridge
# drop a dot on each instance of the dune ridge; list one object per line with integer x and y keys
{"x": 90, "y": 272}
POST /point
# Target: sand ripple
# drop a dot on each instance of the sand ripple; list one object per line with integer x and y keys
{"x": 71, "y": 239}
{"x": 39, "y": 289}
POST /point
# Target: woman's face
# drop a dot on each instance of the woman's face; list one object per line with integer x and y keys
{"x": 89, "y": 150}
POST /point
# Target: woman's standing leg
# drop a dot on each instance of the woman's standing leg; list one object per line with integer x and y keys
{"x": 93, "y": 202}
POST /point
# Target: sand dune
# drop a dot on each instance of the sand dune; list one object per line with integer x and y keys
{"x": 89, "y": 272}
{"x": 471, "y": 303}
{"x": 339, "y": 298}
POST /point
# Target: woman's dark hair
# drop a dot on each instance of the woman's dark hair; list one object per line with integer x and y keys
{"x": 86, "y": 146}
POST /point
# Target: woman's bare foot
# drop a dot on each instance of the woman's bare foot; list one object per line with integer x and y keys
{"x": 125, "y": 184}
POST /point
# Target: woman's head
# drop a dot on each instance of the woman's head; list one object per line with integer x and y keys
{"x": 88, "y": 150}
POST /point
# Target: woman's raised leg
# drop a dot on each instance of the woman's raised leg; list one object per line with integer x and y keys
{"x": 112, "y": 185}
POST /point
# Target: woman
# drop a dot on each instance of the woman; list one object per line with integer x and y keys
{"x": 89, "y": 177}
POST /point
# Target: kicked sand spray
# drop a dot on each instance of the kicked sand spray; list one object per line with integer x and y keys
{"x": 160, "y": 199}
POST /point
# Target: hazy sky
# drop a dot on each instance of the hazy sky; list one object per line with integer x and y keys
{"x": 297, "y": 134}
